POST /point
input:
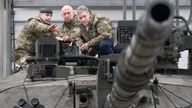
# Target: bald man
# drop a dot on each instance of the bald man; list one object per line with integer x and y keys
{"x": 69, "y": 31}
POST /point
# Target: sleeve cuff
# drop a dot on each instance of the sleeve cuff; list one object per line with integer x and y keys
{"x": 90, "y": 43}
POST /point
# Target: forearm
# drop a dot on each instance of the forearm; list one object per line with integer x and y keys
{"x": 99, "y": 38}
{"x": 40, "y": 27}
{"x": 78, "y": 41}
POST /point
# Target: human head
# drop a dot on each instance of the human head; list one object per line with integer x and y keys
{"x": 67, "y": 13}
{"x": 84, "y": 15}
{"x": 46, "y": 14}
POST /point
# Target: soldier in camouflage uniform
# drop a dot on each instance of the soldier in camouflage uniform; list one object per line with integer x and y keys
{"x": 96, "y": 31}
{"x": 69, "y": 31}
{"x": 33, "y": 29}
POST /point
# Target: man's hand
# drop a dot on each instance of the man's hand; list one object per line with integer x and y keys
{"x": 84, "y": 47}
{"x": 66, "y": 38}
{"x": 58, "y": 38}
{"x": 52, "y": 28}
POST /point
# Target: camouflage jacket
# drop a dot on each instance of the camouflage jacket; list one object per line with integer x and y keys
{"x": 70, "y": 29}
{"x": 33, "y": 29}
{"x": 99, "y": 28}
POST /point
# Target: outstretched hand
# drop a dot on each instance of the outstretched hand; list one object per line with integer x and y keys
{"x": 52, "y": 28}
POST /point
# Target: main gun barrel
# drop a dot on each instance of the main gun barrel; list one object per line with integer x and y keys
{"x": 135, "y": 66}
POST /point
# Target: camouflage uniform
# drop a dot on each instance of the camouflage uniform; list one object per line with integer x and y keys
{"x": 100, "y": 28}
{"x": 70, "y": 29}
{"x": 33, "y": 29}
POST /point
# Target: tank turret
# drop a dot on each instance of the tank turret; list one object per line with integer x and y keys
{"x": 136, "y": 62}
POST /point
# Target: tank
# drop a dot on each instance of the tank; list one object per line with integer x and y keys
{"x": 123, "y": 80}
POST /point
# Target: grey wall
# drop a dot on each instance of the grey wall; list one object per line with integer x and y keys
{"x": 22, "y": 14}
{"x": 25, "y": 9}
{"x": 113, "y": 9}
{"x": 106, "y": 3}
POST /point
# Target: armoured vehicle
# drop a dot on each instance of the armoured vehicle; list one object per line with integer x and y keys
{"x": 144, "y": 75}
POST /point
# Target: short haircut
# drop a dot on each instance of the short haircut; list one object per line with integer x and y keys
{"x": 82, "y": 8}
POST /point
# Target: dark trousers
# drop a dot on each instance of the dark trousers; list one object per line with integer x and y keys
{"x": 106, "y": 47}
